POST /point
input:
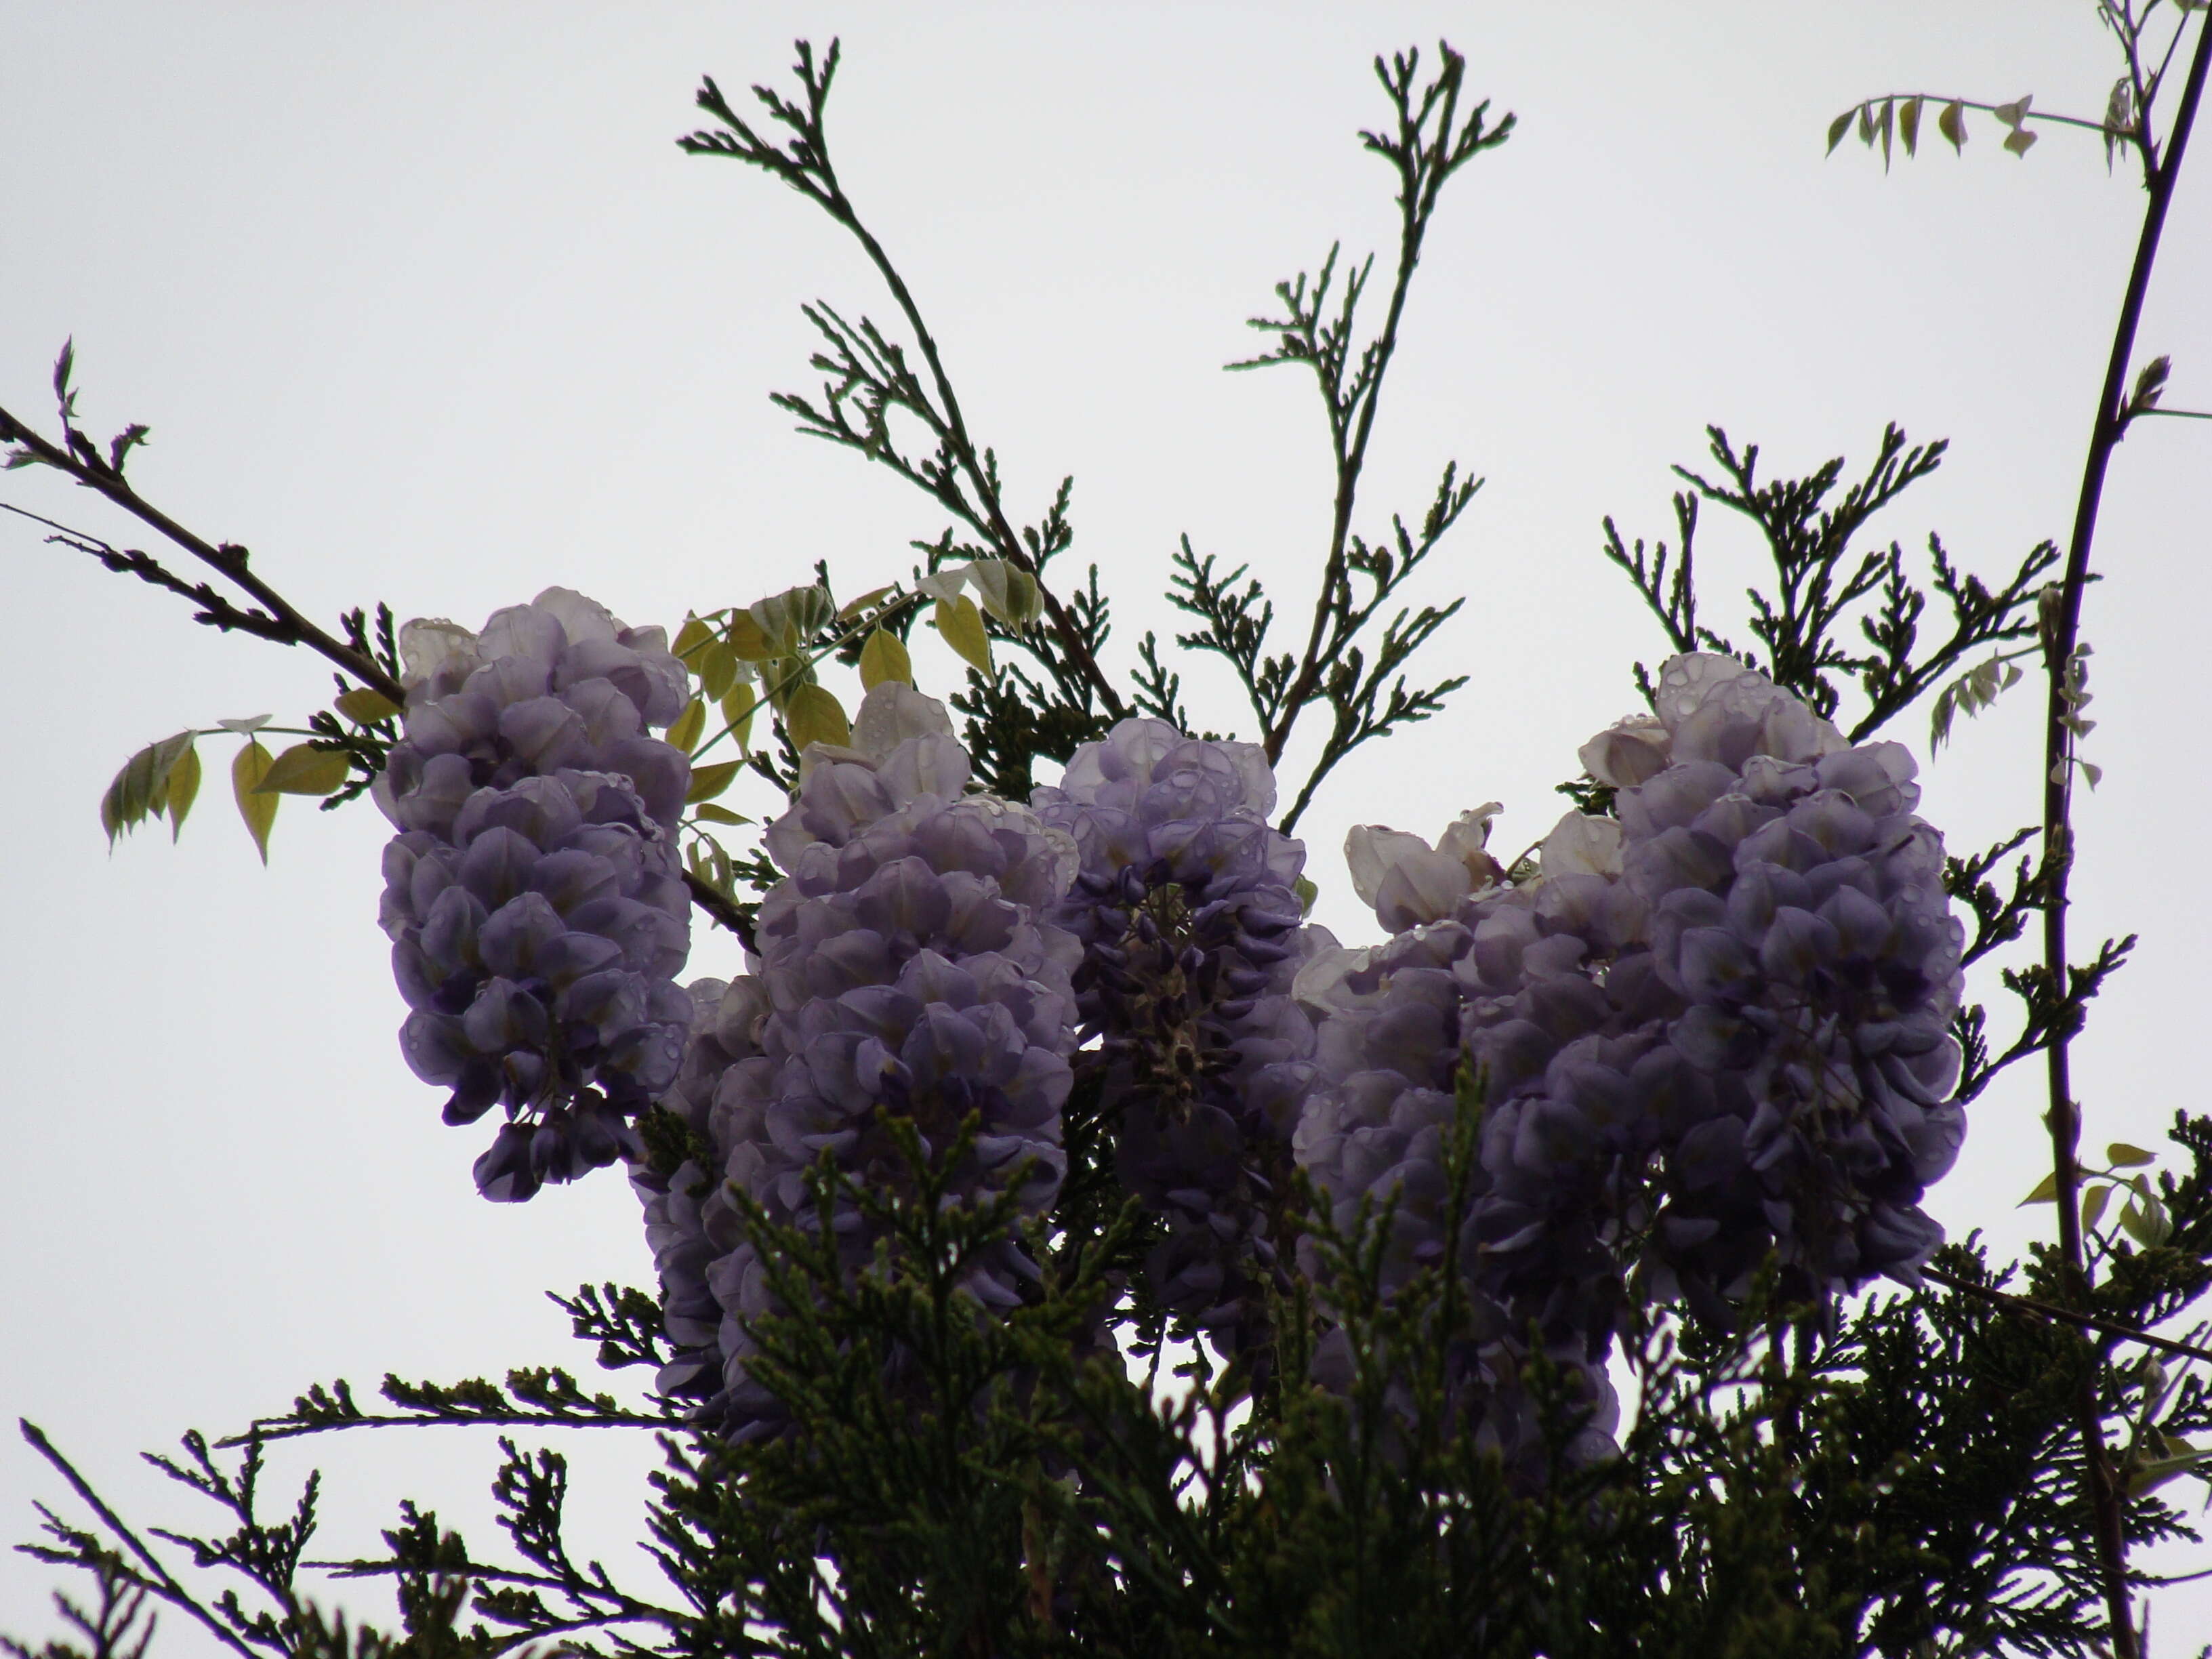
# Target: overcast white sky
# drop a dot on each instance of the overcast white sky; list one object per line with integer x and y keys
{"x": 423, "y": 305}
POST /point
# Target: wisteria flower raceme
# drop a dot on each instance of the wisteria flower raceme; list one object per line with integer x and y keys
{"x": 533, "y": 895}
{"x": 1798, "y": 911}
{"x": 1500, "y": 996}
{"x": 909, "y": 975}
{"x": 1191, "y": 933}
{"x": 1718, "y": 1023}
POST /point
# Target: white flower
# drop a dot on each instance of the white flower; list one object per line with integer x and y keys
{"x": 1581, "y": 845}
{"x": 428, "y": 644}
{"x": 1626, "y": 753}
{"x": 1407, "y": 882}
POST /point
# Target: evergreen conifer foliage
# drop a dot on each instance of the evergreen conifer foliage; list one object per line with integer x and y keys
{"x": 1064, "y": 1245}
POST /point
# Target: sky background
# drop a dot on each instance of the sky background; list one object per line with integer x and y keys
{"x": 422, "y": 305}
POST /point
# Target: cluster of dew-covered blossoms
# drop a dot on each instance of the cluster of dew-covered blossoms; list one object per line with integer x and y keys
{"x": 1185, "y": 906}
{"x": 534, "y": 896}
{"x": 1713, "y": 1028}
{"x": 909, "y": 972}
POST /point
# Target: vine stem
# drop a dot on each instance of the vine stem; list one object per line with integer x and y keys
{"x": 2062, "y": 635}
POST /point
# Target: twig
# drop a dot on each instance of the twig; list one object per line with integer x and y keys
{"x": 2051, "y": 1310}
{"x": 172, "y": 1591}
{"x": 808, "y": 170}
{"x": 226, "y": 560}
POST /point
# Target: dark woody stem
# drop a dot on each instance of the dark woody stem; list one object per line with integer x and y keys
{"x": 2062, "y": 636}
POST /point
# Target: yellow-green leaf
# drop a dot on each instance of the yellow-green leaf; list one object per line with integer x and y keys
{"x": 2046, "y": 1192}
{"x": 746, "y": 638}
{"x": 1952, "y": 123}
{"x": 715, "y": 814}
{"x": 719, "y": 669}
{"x": 1838, "y": 127}
{"x": 2157, "y": 1471}
{"x": 688, "y": 638}
{"x": 184, "y": 788}
{"x": 2093, "y": 1205}
{"x": 685, "y": 733}
{"x": 858, "y": 606}
{"x": 259, "y": 809}
{"x": 1908, "y": 125}
{"x": 364, "y": 706}
{"x": 142, "y": 787}
{"x": 784, "y": 676}
{"x": 708, "y": 781}
{"x": 962, "y": 625}
{"x": 884, "y": 657}
{"x": 2121, "y": 1156}
{"x": 303, "y": 770}
{"x": 813, "y": 715}
{"x": 738, "y": 706}
{"x": 1009, "y": 594}
{"x": 790, "y": 618}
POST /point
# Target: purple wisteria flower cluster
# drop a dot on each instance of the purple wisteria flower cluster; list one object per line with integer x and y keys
{"x": 1797, "y": 908}
{"x": 1718, "y": 1025}
{"x": 1190, "y": 927}
{"x": 534, "y": 896}
{"x": 907, "y": 974}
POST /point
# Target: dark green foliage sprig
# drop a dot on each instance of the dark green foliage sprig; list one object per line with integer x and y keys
{"x": 1427, "y": 143}
{"x": 118, "y": 1625}
{"x": 1907, "y": 1483}
{"x": 1823, "y": 583}
{"x": 869, "y": 378}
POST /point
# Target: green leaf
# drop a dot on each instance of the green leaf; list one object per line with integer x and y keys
{"x": 184, "y": 788}
{"x": 785, "y": 675}
{"x": 884, "y": 657}
{"x": 2157, "y": 1471}
{"x": 961, "y": 626}
{"x": 1009, "y": 594}
{"x": 303, "y": 769}
{"x": 787, "y": 620}
{"x": 738, "y": 706}
{"x": 814, "y": 715}
{"x": 685, "y": 733}
{"x": 259, "y": 809}
{"x": 2122, "y": 1156}
{"x": 1837, "y": 128}
{"x": 715, "y": 814}
{"x": 1307, "y": 893}
{"x": 708, "y": 781}
{"x": 2046, "y": 1192}
{"x": 690, "y": 637}
{"x": 2093, "y": 1206}
{"x": 365, "y": 706}
{"x": 142, "y": 788}
{"x": 719, "y": 670}
{"x": 1888, "y": 113}
{"x": 1908, "y": 125}
{"x": 856, "y": 607}
{"x": 1952, "y": 123}
{"x": 745, "y": 637}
